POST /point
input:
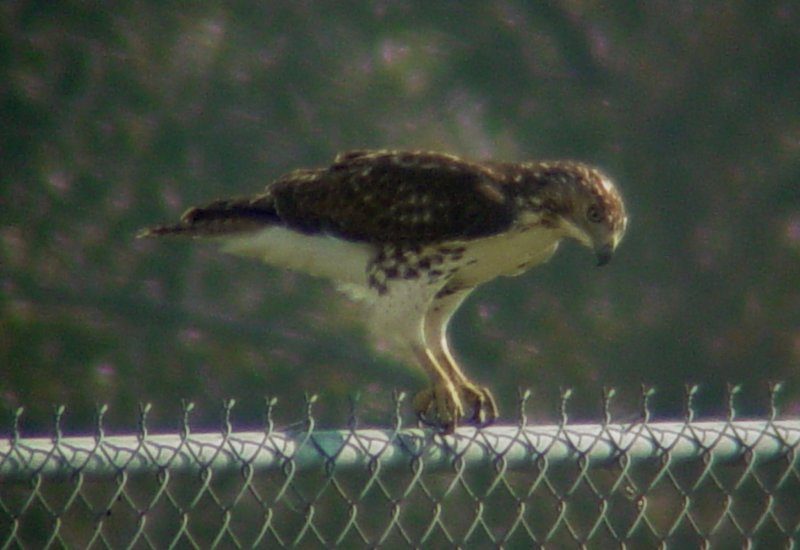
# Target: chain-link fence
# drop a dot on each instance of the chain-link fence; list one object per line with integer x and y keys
{"x": 727, "y": 483}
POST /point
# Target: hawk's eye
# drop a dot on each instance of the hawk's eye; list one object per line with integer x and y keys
{"x": 594, "y": 214}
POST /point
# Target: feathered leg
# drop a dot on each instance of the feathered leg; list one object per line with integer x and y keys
{"x": 478, "y": 401}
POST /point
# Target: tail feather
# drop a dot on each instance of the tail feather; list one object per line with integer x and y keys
{"x": 220, "y": 217}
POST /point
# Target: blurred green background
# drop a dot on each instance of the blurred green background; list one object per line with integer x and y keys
{"x": 118, "y": 115}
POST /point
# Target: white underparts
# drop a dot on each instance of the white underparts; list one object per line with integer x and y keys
{"x": 318, "y": 255}
{"x": 509, "y": 254}
{"x": 396, "y": 316}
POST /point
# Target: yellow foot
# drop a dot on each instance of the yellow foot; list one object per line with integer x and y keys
{"x": 444, "y": 406}
{"x": 479, "y": 401}
{"x": 440, "y": 407}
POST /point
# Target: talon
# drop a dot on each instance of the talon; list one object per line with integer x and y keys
{"x": 482, "y": 404}
{"x": 423, "y": 402}
{"x": 439, "y": 407}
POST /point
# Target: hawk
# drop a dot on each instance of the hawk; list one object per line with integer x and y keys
{"x": 411, "y": 234}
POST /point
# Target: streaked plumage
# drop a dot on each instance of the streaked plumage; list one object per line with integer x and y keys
{"x": 411, "y": 234}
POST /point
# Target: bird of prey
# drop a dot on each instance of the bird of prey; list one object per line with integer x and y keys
{"x": 411, "y": 234}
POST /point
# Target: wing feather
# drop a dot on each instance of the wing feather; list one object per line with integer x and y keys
{"x": 389, "y": 196}
{"x": 367, "y": 196}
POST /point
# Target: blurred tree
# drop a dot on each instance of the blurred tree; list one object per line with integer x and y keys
{"x": 115, "y": 117}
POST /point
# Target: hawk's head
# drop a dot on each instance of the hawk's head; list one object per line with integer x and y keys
{"x": 579, "y": 200}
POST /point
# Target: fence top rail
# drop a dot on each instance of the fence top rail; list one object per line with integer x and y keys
{"x": 513, "y": 446}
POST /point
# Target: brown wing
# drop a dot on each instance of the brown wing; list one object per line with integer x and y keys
{"x": 390, "y": 196}
{"x": 383, "y": 196}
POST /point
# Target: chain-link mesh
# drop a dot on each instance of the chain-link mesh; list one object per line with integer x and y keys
{"x": 690, "y": 484}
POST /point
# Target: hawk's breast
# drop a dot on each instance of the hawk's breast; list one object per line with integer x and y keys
{"x": 507, "y": 254}
{"x": 461, "y": 264}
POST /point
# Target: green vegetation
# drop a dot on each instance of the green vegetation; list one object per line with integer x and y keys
{"x": 115, "y": 116}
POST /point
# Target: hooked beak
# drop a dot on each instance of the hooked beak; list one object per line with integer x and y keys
{"x": 604, "y": 254}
